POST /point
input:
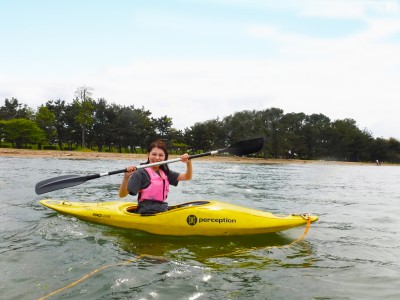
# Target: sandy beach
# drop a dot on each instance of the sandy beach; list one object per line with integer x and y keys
{"x": 8, "y": 152}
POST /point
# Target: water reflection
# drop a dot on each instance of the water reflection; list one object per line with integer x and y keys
{"x": 214, "y": 252}
{"x": 350, "y": 253}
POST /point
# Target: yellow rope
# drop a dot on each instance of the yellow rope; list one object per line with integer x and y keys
{"x": 304, "y": 233}
{"x": 90, "y": 274}
{"x": 144, "y": 255}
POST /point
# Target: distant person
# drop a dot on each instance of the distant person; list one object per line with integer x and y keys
{"x": 152, "y": 184}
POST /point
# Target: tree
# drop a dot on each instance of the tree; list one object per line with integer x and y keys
{"x": 83, "y": 92}
{"x": 291, "y": 126}
{"x": 2, "y": 130}
{"x": 163, "y": 126}
{"x": 45, "y": 119}
{"x": 270, "y": 123}
{"x": 84, "y": 104}
{"x": 347, "y": 141}
{"x": 146, "y": 129}
{"x": 101, "y": 123}
{"x": 126, "y": 128}
{"x": 176, "y": 141}
{"x": 134, "y": 128}
{"x": 12, "y": 109}
{"x": 242, "y": 125}
{"x": 59, "y": 108}
{"x": 112, "y": 134}
{"x": 21, "y": 131}
{"x": 315, "y": 130}
{"x": 393, "y": 150}
{"x": 89, "y": 123}
{"x": 198, "y": 136}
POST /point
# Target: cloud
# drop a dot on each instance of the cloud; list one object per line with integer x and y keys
{"x": 352, "y": 75}
{"x": 197, "y": 90}
{"x": 348, "y": 84}
{"x": 348, "y": 9}
{"x": 334, "y": 9}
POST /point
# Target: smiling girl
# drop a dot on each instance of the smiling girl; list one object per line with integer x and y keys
{"x": 152, "y": 184}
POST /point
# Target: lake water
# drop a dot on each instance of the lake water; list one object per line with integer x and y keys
{"x": 352, "y": 252}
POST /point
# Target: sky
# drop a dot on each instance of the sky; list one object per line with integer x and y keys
{"x": 198, "y": 60}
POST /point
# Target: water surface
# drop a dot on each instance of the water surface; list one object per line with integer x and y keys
{"x": 352, "y": 252}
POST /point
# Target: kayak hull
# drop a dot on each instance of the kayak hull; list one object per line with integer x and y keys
{"x": 203, "y": 218}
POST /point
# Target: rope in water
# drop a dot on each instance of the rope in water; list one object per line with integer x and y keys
{"x": 125, "y": 262}
{"x": 308, "y": 219}
{"x": 90, "y": 274}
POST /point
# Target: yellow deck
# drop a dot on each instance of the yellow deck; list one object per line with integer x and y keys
{"x": 213, "y": 218}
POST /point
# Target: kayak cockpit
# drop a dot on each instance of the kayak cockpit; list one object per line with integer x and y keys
{"x": 193, "y": 203}
{"x": 132, "y": 209}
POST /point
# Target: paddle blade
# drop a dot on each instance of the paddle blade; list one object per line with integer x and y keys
{"x": 246, "y": 147}
{"x": 58, "y": 183}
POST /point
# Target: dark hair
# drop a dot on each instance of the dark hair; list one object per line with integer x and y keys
{"x": 161, "y": 145}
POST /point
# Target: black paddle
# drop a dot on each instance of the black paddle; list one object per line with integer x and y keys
{"x": 61, "y": 182}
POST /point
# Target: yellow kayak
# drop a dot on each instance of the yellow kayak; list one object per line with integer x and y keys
{"x": 204, "y": 218}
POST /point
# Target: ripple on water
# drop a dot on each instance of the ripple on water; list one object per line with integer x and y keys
{"x": 350, "y": 253}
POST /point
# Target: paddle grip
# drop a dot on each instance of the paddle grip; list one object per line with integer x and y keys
{"x": 116, "y": 172}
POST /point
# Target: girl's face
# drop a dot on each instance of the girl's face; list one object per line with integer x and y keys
{"x": 156, "y": 155}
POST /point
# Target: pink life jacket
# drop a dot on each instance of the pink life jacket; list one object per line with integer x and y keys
{"x": 158, "y": 188}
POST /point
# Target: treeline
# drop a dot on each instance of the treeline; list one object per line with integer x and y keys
{"x": 101, "y": 126}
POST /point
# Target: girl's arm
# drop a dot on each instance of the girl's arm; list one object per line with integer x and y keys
{"x": 189, "y": 170}
{"x": 123, "y": 189}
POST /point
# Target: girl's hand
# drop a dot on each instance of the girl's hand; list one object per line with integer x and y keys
{"x": 185, "y": 158}
{"x": 129, "y": 171}
{"x": 188, "y": 174}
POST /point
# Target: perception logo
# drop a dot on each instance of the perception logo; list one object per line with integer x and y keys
{"x": 191, "y": 220}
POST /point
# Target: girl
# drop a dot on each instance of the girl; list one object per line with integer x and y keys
{"x": 152, "y": 184}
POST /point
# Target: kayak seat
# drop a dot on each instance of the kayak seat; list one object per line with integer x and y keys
{"x": 148, "y": 214}
{"x": 131, "y": 209}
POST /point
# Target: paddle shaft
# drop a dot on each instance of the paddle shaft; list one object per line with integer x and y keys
{"x": 89, "y": 177}
{"x": 240, "y": 148}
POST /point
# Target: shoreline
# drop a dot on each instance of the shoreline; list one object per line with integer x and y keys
{"x": 56, "y": 154}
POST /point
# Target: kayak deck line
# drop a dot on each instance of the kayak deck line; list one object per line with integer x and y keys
{"x": 201, "y": 218}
